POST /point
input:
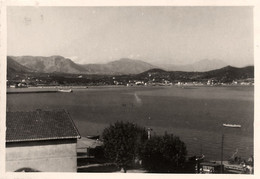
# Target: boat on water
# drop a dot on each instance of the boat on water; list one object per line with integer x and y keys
{"x": 65, "y": 90}
{"x": 232, "y": 125}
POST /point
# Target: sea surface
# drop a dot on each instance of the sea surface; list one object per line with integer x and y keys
{"x": 195, "y": 114}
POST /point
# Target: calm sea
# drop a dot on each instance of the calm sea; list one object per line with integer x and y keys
{"x": 195, "y": 114}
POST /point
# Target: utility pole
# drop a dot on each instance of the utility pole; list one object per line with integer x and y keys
{"x": 222, "y": 144}
{"x": 236, "y": 126}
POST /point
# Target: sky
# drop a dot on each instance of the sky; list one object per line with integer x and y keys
{"x": 169, "y": 35}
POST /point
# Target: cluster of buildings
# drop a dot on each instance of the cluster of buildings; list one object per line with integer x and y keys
{"x": 227, "y": 167}
{"x": 153, "y": 82}
{"x": 24, "y": 83}
{"x": 248, "y": 82}
{"x": 151, "y": 79}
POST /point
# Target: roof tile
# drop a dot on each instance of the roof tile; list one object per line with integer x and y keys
{"x": 39, "y": 125}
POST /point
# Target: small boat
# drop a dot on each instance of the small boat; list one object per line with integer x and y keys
{"x": 65, "y": 90}
{"x": 232, "y": 125}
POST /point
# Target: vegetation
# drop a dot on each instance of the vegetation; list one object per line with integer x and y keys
{"x": 163, "y": 154}
{"x": 122, "y": 143}
{"x": 127, "y": 143}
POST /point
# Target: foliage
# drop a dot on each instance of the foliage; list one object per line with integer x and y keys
{"x": 163, "y": 154}
{"x": 97, "y": 152}
{"x": 122, "y": 142}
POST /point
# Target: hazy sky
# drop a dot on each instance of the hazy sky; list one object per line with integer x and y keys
{"x": 176, "y": 35}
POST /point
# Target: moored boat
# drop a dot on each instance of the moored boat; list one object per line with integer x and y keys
{"x": 232, "y": 125}
{"x": 65, "y": 90}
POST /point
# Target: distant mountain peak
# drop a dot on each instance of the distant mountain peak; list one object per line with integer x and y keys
{"x": 58, "y": 56}
{"x": 125, "y": 59}
{"x": 199, "y": 66}
{"x": 228, "y": 67}
{"x": 121, "y": 66}
{"x": 157, "y": 70}
{"x": 50, "y": 64}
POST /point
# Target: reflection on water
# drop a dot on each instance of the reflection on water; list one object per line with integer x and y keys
{"x": 196, "y": 115}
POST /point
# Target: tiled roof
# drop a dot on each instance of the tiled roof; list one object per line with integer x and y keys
{"x": 39, "y": 125}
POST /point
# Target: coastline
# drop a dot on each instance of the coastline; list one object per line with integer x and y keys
{"x": 55, "y": 89}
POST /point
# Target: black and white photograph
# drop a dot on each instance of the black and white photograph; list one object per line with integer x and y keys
{"x": 130, "y": 89}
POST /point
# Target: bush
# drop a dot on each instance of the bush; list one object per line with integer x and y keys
{"x": 97, "y": 152}
{"x": 163, "y": 154}
{"x": 122, "y": 143}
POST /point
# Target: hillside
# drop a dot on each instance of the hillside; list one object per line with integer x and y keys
{"x": 14, "y": 68}
{"x": 230, "y": 73}
{"x": 49, "y": 64}
{"x": 226, "y": 74}
{"x": 200, "y": 66}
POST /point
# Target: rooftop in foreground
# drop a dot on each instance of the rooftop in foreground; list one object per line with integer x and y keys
{"x": 39, "y": 125}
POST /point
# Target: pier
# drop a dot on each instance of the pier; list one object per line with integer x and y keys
{"x": 21, "y": 92}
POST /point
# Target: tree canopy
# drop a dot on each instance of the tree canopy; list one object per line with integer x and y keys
{"x": 122, "y": 142}
{"x": 163, "y": 153}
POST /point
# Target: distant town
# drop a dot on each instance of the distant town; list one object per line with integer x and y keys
{"x": 154, "y": 77}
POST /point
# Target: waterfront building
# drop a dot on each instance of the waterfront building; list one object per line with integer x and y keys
{"x": 41, "y": 141}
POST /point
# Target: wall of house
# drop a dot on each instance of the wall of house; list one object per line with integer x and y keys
{"x": 45, "y": 156}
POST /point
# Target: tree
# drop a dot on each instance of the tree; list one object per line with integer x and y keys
{"x": 122, "y": 143}
{"x": 163, "y": 154}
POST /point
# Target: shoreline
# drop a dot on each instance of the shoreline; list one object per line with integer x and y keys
{"x": 121, "y": 86}
{"x": 55, "y": 89}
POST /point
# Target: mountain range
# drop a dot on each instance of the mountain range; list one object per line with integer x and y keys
{"x": 122, "y": 66}
{"x": 59, "y": 64}
{"x": 201, "y": 66}
{"x": 49, "y": 64}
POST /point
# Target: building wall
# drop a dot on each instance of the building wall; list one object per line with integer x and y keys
{"x": 45, "y": 156}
